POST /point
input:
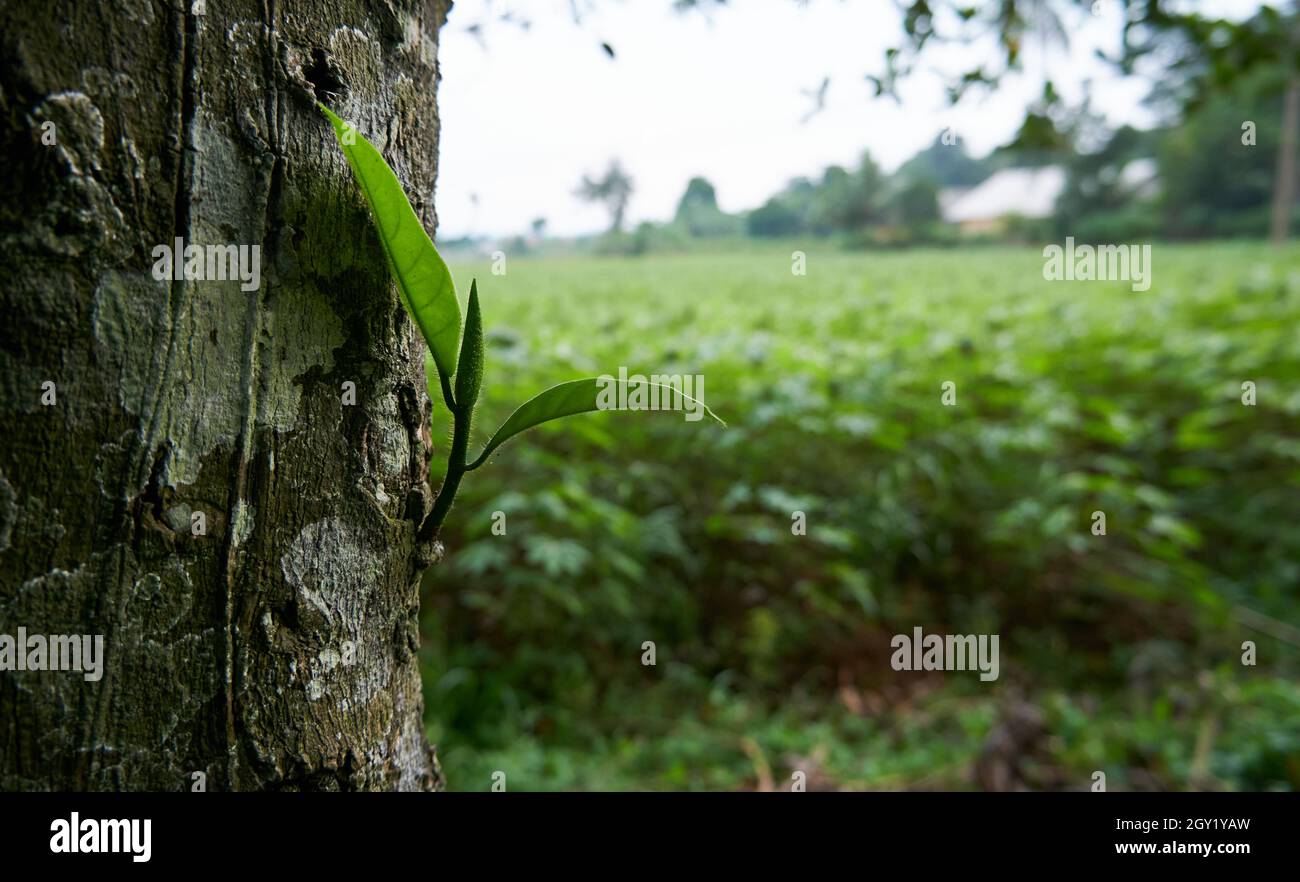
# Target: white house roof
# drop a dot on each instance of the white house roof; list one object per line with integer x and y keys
{"x": 1029, "y": 192}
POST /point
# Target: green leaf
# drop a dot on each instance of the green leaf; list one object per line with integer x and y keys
{"x": 566, "y": 399}
{"x": 469, "y": 370}
{"x": 422, "y": 278}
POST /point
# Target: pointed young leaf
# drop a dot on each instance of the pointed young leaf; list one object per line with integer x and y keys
{"x": 422, "y": 277}
{"x": 469, "y": 369}
{"x": 566, "y": 399}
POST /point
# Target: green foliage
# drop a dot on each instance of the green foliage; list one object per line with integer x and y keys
{"x": 945, "y": 165}
{"x": 915, "y": 204}
{"x": 429, "y": 296}
{"x": 469, "y": 367}
{"x": 841, "y": 201}
{"x": 422, "y": 278}
{"x": 1095, "y": 183}
{"x": 1072, "y": 397}
{"x": 1198, "y": 54}
{"x": 567, "y": 399}
{"x": 1199, "y": 198}
{"x": 698, "y": 213}
{"x": 775, "y": 217}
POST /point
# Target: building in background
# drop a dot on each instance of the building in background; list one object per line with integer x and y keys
{"x": 1012, "y": 192}
{"x": 1027, "y": 193}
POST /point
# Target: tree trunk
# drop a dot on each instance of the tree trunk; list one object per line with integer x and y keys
{"x": 1284, "y": 186}
{"x": 276, "y": 648}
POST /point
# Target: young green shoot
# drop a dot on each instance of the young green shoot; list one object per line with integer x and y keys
{"x": 425, "y": 286}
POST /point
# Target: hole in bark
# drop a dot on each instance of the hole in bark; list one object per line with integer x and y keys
{"x": 150, "y": 504}
{"x": 324, "y": 75}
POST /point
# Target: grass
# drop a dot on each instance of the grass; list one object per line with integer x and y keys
{"x": 773, "y": 648}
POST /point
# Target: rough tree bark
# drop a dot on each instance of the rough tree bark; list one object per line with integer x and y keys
{"x": 279, "y": 649}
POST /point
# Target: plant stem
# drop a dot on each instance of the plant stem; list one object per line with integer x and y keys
{"x": 455, "y": 471}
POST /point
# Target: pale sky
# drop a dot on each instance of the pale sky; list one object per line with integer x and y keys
{"x": 722, "y": 96}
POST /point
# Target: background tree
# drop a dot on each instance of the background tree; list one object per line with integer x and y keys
{"x": 869, "y": 187}
{"x": 698, "y": 213}
{"x": 1196, "y": 55}
{"x": 775, "y": 217}
{"x": 837, "y": 203}
{"x": 612, "y": 190}
{"x": 945, "y": 164}
{"x": 915, "y": 203}
{"x": 1096, "y": 186}
{"x": 1199, "y": 198}
{"x": 276, "y": 648}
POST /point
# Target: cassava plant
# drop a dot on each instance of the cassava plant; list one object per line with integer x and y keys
{"x": 429, "y": 295}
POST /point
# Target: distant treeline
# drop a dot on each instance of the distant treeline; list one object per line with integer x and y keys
{"x": 1215, "y": 173}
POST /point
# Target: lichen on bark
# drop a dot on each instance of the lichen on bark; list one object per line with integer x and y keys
{"x": 278, "y": 650}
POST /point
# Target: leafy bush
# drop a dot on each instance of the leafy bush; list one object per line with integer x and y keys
{"x": 1071, "y": 398}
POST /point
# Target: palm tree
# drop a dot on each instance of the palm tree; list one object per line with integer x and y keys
{"x": 613, "y": 189}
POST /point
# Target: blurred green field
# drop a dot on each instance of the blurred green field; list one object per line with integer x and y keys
{"x": 1123, "y": 651}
